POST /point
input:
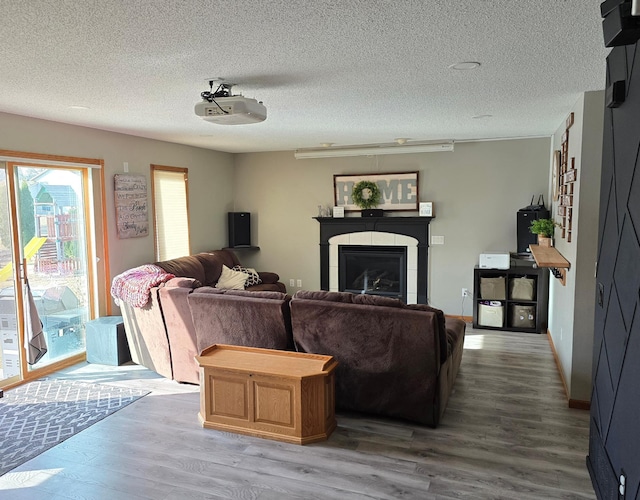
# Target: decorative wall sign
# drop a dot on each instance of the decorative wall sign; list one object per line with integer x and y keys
{"x": 132, "y": 220}
{"x": 399, "y": 190}
{"x": 426, "y": 209}
{"x": 566, "y": 177}
{"x": 557, "y": 155}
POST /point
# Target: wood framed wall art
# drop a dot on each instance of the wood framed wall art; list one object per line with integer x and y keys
{"x": 132, "y": 219}
{"x": 399, "y": 190}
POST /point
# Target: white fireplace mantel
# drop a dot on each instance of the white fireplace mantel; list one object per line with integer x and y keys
{"x": 375, "y": 238}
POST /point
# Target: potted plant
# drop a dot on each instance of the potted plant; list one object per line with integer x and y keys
{"x": 544, "y": 228}
{"x": 366, "y": 195}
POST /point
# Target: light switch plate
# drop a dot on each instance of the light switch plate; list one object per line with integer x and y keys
{"x": 437, "y": 240}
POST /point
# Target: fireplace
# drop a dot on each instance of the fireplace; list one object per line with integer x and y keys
{"x": 375, "y": 270}
{"x": 411, "y": 234}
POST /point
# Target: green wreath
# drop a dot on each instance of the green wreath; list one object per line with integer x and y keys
{"x": 374, "y": 196}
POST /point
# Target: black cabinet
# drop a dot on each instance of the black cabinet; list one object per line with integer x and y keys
{"x": 514, "y": 299}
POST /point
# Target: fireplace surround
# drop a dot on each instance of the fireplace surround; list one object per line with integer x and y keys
{"x": 411, "y": 233}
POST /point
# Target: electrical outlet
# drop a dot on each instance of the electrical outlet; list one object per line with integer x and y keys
{"x": 299, "y": 284}
{"x": 465, "y": 292}
{"x": 292, "y": 282}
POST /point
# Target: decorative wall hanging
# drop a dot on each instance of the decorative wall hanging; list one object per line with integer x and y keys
{"x": 555, "y": 181}
{"x": 132, "y": 219}
{"x": 567, "y": 176}
{"x": 399, "y": 190}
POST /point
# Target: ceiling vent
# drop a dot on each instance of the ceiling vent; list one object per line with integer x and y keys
{"x": 223, "y": 108}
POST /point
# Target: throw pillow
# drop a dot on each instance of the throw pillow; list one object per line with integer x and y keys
{"x": 253, "y": 278}
{"x": 231, "y": 280}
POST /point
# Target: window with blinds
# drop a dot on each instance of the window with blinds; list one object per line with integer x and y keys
{"x": 171, "y": 211}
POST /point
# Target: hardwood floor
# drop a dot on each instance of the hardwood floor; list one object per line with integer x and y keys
{"x": 507, "y": 433}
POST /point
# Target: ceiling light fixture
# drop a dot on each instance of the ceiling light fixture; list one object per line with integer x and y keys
{"x": 82, "y": 108}
{"x": 466, "y": 65}
{"x": 375, "y": 149}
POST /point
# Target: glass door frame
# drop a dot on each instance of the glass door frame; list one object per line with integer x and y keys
{"x": 94, "y": 215}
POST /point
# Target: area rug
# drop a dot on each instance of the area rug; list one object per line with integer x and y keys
{"x": 43, "y": 413}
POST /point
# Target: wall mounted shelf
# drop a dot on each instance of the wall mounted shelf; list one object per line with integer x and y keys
{"x": 550, "y": 257}
{"x": 243, "y": 247}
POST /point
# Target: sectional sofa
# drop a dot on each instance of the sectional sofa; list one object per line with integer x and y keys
{"x": 394, "y": 359}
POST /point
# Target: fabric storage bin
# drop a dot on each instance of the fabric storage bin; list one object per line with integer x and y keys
{"x": 493, "y": 288}
{"x": 106, "y": 341}
{"x": 491, "y": 313}
{"x": 522, "y": 316}
{"x": 522, "y": 288}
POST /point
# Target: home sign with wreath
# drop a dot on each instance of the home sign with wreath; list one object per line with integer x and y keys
{"x": 395, "y": 191}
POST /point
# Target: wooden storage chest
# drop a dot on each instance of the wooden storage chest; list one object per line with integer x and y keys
{"x": 287, "y": 396}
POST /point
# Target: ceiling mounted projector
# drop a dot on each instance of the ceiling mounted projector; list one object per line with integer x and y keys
{"x": 225, "y": 109}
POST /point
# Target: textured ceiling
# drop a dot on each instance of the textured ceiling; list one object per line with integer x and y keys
{"x": 328, "y": 71}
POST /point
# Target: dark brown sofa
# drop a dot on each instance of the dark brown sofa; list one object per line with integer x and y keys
{"x": 161, "y": 335}
{"x": 395, "y": 360}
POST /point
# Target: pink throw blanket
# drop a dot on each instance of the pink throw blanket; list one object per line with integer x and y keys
{"x": 133, "y": 286}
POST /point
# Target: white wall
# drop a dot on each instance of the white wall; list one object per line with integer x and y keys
{"x": 476, "y": 191}
{"x": 210, "y": 179}
{"x": 571, "y": 307}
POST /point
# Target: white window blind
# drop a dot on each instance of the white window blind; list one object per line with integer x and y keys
{"x": 171, "y": 213}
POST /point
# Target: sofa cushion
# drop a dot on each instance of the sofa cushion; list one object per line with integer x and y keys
{"x": 253, "y": 279}
{"x": 268, "y": 277}
{"x": 212, "y": 266}
{"x": 232, "y": 280}
{"x": 323, "y": 295}
{"x": 188, "y": 266}
{"x": 376, "y": 300}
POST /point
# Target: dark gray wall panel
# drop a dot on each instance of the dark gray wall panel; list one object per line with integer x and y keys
{"x": 614, "y": 443}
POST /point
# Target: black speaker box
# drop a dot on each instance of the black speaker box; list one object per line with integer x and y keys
{"x": 619, "y": 26}
{"x": 239, "y": 229}
{"x": 525, "y": 218}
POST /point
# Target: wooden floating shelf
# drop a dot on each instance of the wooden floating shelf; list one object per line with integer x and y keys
{"x": 548, "y": 257}
{"x": 551, "y": 258}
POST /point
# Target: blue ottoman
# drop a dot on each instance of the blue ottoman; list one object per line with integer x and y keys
{"x": 106, "y": 341}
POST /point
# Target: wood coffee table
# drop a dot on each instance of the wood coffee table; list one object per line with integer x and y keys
{"x": 281, "y": 395}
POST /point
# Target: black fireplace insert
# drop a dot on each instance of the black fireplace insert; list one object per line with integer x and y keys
{"x": 376, "y": 270}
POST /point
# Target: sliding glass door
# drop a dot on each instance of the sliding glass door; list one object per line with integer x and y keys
{"x": 10, "y": 350}
{"x": 45, "y": 236}
{"x": 53, "y": 242}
